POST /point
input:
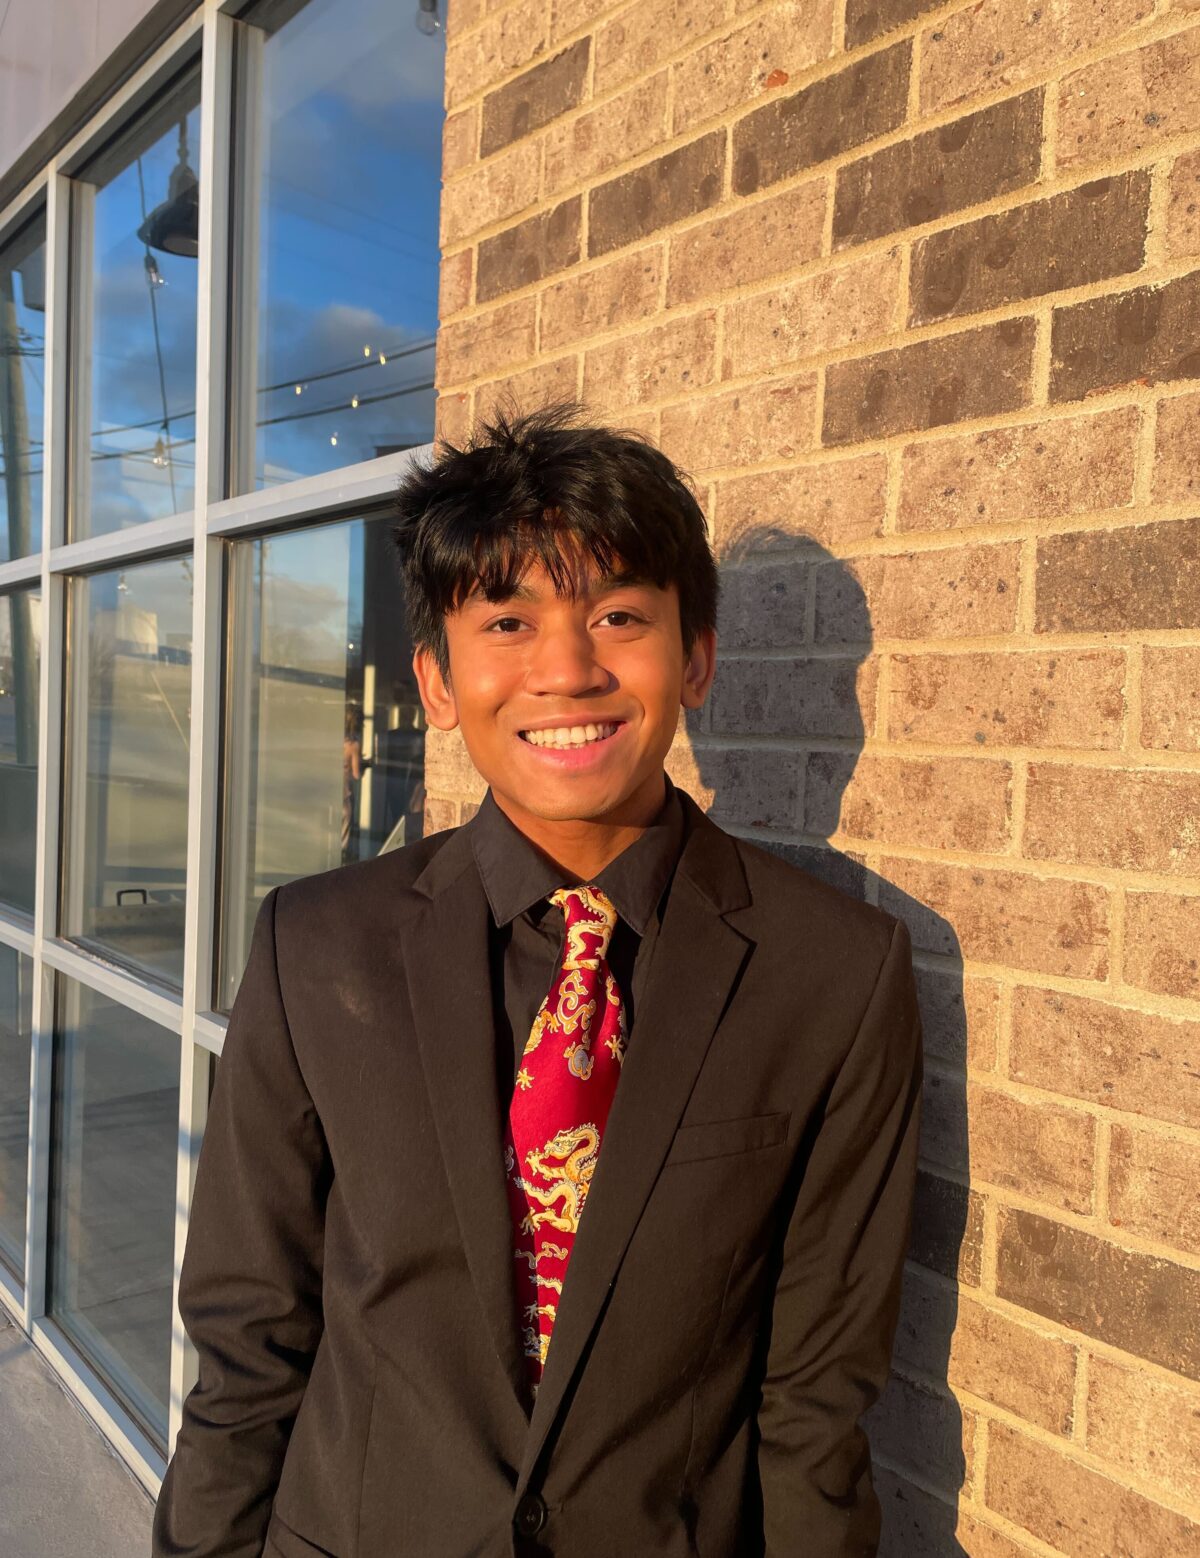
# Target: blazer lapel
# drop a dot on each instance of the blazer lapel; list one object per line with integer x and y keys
{"x": 696, "y": 961}
{"x": 445, "y": 944}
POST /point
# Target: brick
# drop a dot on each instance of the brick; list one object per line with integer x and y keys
{"x": 549, "y": 379}
{"x": 1183, "y": 206}
{"x": 959, "y": 1013}
{"x": 1042, "y": 470}
{"x": 676, "y": 185}
{"x": 820, "y": 313}
{"x": 999, "y": 43}
{"x": 1147, "y": 1426}
{"x": 1150, "y": 335}
{"x": 1131, "y": 102}
{"x": 751, "y": 243}
{"x": 914, "y": 1426}
{"x": 439, "y": 812}
{"x": 623, "y": 291}
{"x": 570, "y": 15}
{"x": 747, "y": 787}
{"x": 992, "y": 1354}
{"x": 1133, "y": 577}
{"x": 1162, "y": 940}
{"x": 448, "y": 767}
{"x": 1141, "y": 1303}
{"x": 1010, "y": 699}
{"x": 667, "y": 359}
{"x": 485, "y": 343}
{"x": 788, "y": 698}
{"x": 1171, "y": 699}
{"x": 642, "y": 37}
{"x": 765, "y": 607}
{"x": 536, "y": 97}
{"x": 938, "y": 803}
{"x": 921, "y": 1524}
{"x": 1133, "y": 819}
{"x": 475, "y": 58}
{"x": 947, "y": 1232}
{"x": 1139, "y": 1062}
{"x": 753, "y": 61}
{"x": 1152, "y": 1187}
{"x": 973, "y": 159}
{"x": 832, "y": 504}
{"x": 869, "y": 19}
{"x": 775, "y": 420}
{"x": 491, "y": 192}
{"x": 1074, "y": 1509}
{"x": 454, "y": 282}
{"x": 952, "y": 592}
{"x": 1041, "y": 1150}
{"x": 1083, "y": 235}
{"x": 460, "y": 141}
{"x": 452, "y": 418}
{"x": 587, "y": 145}
{"x": 1043, "y": 924}
{"x": 930, "y": 383}
{"x": 1177, "y": 450}
{"x": 531, "y": 251}
{"x": 833, "y": 115}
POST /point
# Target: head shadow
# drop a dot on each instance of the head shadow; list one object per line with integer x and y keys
{"x": 772, "y": 754}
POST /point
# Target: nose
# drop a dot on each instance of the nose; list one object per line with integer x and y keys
{"x": 563, "y": 661}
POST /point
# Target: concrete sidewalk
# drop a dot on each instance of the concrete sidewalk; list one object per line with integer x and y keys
{"x": 63, "y": 1493}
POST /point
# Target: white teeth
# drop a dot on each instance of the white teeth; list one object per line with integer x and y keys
{"x": 568, "y": 735}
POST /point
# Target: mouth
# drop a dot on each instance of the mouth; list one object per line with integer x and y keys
{"x": 567, "y": 738}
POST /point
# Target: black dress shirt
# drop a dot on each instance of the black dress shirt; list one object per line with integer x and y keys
{"x": 527, "y": 934}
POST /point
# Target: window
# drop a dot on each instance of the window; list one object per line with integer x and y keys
{"x": 22, "y": 353}
{"x": 16, "y": 1027}
{"x": 20, "y": 644}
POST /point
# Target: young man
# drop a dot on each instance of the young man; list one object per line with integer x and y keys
{"x": 559, "y": 1167}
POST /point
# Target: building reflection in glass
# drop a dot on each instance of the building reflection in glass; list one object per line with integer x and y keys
{"x": 115, "y": 1129}
{"x": 127, "y": 741}
{"x": 22, "y": 377}
{"x": 16, "y": 1033}
{"x": 20, "y": 659}
{"x": 324, "y": 726}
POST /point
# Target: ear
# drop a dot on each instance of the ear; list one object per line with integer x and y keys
{"x": 437, "y": 698}
{"x": 699, "y": 669}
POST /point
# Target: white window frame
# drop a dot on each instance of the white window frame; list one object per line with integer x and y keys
{"x": 204, "y": 531}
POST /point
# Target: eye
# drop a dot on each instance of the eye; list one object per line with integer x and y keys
{"x": 505, "y": 625}
{"x": 619, "y": 611}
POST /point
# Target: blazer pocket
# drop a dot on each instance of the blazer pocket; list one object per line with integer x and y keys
{"x": 281, "y": 1539}
{"x": 719, "y": 1138}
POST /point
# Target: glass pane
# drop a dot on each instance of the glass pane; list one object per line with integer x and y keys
{"x": 16, "y": 1032}
{"x": 130, "y": 672}
{"x": 112, "y": 1200}
{"x": 324, "y": 726}
{"x": 22, "y": 376}
{"x": 135, "y": 218}
{"x": 338, "y": 158}
{"x": 20, "y": 656}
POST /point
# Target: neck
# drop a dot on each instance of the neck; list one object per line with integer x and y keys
{"x": 583, "y": 846}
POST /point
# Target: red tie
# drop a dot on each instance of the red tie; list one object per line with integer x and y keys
{"x": 559, "y": 1108}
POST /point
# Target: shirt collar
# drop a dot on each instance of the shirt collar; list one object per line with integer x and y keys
{"x": 516, "y": 875}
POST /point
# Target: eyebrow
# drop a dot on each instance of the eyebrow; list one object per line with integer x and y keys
{"x": 606, "y": 582}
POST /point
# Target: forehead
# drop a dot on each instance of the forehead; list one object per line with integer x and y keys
{"x": 582, "y": 582}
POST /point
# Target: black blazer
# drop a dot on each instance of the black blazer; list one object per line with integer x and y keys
{"x": 733, "y": 1293}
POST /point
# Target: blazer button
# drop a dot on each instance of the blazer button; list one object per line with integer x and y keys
{"x": 531, "y": 1514}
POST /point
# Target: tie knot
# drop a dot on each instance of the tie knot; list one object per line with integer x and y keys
{"x": 590, "y": 917}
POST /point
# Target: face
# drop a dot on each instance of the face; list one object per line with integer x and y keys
{"x": 568, "y": 705}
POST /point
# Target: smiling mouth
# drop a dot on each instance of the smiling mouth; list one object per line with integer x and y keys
{"x": 564, "y": 737}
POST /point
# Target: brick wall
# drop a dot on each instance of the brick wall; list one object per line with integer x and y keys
{"x": 913, "y": 291}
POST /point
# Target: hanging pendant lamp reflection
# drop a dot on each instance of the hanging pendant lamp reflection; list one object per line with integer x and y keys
{"x": 174, "y": 225}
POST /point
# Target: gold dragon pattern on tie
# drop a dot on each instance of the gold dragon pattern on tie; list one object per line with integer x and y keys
{"x": 560, "y": 1103}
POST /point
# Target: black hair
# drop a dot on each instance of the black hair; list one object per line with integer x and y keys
{"x": 529, "y": 487}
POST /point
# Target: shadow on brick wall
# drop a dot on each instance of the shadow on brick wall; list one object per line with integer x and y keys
{"x": 774, "y": 748}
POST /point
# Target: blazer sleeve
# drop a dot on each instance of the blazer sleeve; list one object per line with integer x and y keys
{"x": 250, "y": 1282}
{"x": 836, "y": 1303}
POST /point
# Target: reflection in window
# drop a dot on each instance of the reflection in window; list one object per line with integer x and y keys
{"x": 130, "y": 656}
{"x": 335, "y": 273}
{"x": 20, "y": 653}
{"x": 16, "y": 1030}
{"x": 22, "y": 376}
{"x": 112, "y": 1214}
{"x": 324, "y": 726}
{"x": 135, "y": 213}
